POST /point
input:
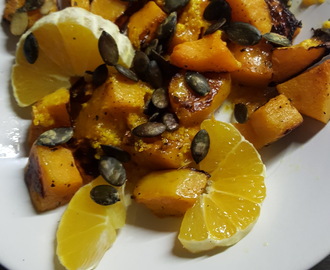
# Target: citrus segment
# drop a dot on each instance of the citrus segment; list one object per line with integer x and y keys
{"x": 67, "y": 47}
{"x": 87, "y": 230}
{"x": 230, "y": 206}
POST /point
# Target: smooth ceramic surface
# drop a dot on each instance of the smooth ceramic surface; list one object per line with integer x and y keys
{"x": 292, "y": 232}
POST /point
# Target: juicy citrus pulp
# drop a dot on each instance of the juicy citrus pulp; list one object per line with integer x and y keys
{"x": 229, "y": 208}
{"x": 87, "y": 230}
{"x": 67, "y": 47}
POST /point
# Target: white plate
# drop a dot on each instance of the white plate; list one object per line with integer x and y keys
{"x": 292, "y": 232}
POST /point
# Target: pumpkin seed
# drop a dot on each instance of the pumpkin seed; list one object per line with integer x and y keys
{"x": 100, "y": 75}
{"x": 149, "y": 129}
{"x": 160, "y": 98}
{"x": 243, "y": 33}
{"x": 55, "y": 136}
{"x": 140, "y": 64}
{"x": 116, "y": 152}
{"x": 172, "y": 5}
{"x": 104, "y": 195}
{"x": 197, "y": 82}
{"x": 277, "y": 39}
{"x": 108, "y": 49}
{"x": 215, "y": 26}
{"x": 168, "y": 70}
{"x": 240, "y": 112}
{"x": 129, "y": 74}
{"x": 31, "y": 48}
{"x": 217, "y": 10}
{"x": 149, "y": 108}
{"x": 155, "y": 117}
{"x": 170, "y": 121}
{"x": 153, "y": 45}
{"x": 200, "y": 145}
{"x": 154, "y": 75}
{"x": 166, "y": 30}
{"x": 112, "y": 170}
{"x": 33, "y": 4}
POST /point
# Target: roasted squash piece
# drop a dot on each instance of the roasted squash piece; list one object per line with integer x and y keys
{"x": 309, "y": 92}
{"x": 209, "y": 53}
{"x": 256, "y": 69}
{"x": 190, "y": 22}
{"x": 143, "y": 24}
{"x": 51, "y": 176}
{"x": 110, "y": 10}
{"x": 51, "y": 111}
{"x": 253, "y": 12}
{"x": 192, "y": 108}
{"x": 85, "y": 4}
{"x": 289, "y": 61}
{"x": 170, "y": 192}
{"x": 270, "y": 122}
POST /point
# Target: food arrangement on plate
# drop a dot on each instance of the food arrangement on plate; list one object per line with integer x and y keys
{"x": 123, "y": 95}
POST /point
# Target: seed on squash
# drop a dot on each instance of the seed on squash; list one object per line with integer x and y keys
{"x": 116, "y": 152}
{"x": 215, "y": 26}
{"x": 33, "y": 4}
{"x": 160, "y": 98}
{"x": 152, "y": 46}
{"x": 154, "y": 75}
{"x": 104, "y": 195}
{"x": 55, "y": 136}
{"x": 197, "y": 82}
{"x": 240, "y": 112}
{"x": 112, "y": 170}
{"x": 217, "y": 10}
{"x": 277, "y": 39}
{"x": 172, "y": 5}
{"x": 31, "y": 48}
{"x": 149, "y": 129}
{"x": 19, "y": 23}
{"x": 200, "y": 145}
{"x": 108, "y": 49}
{"x": 100, "y": 75}
{"x": 167, "y": 28}
{"x": 243, "y": 33}
{"x": 170, "y": 121}
{"x": 155, "y": 117}
{"x": 129, "y": 74}
{"x": 140, "y": 63}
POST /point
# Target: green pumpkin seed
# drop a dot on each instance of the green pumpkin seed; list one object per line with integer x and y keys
{"x": 173, "y": 5}
{"x": 100, "y": 75}
{"x": 140, "y": 64}
{"x": 166, "y": 30}
{"x": 217, "y": 10}
{"x": 160, "y": 98}
{"x": 31, "y": 48}
{"x": 104, "y": 195}
{"x": 240, "y": 112}
{"x": 197, "y": 82}
{"x": 112, "y": 170}
{"x": 215, "y": 26}
{"x": 149, "y": 129}
{"x": 277, "y": 39}
{"x": 243, "y": 33}
{"x": 200, "y": 145}
{"x": 108, "y": 49}
{"x": 55, "y": 136}
{"x": 170, "y": 121}
{"x": 154, "y": 75}
{"x": 129, "y": 74}
{"x": 116, "y": 152}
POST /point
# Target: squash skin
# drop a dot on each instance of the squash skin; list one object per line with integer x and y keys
{"x": 170, "y": 192}
{"x": 191, "y": 108}
{"x": 51, "y": 176}
{"x": 208, "y": 54}
{"x": 270, "y": 122}
{"x": 310, "y": 92}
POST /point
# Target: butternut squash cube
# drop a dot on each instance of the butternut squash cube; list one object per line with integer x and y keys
{"x": 192, "y": 108}
{"x": 253, "y": 12}
{"x": 304, "y": 54}
{"x": 209, "y": 53}
{"x": 271, "y": 122}
{"x": 170, "y": 192}
{"x": 110, "y": 10}
{"x": 143, "y": 24}
{"x": 256, "y": 69}
{"x": 309, "y": 92}
{"x": 51, "y": 176}
{"x": 50, "y": 112}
